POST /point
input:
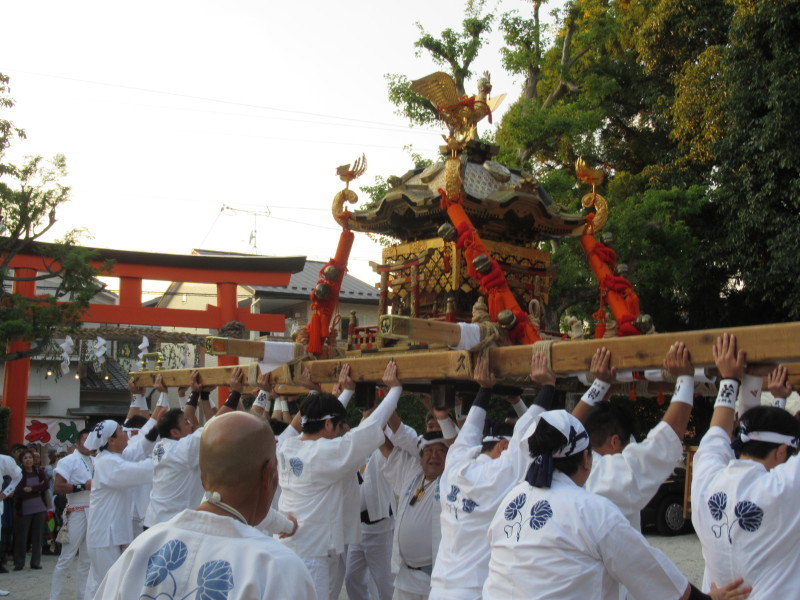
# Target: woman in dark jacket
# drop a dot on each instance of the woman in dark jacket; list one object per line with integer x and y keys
{"x": 29, "y": 512}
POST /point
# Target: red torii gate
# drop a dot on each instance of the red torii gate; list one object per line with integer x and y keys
{"x": 227, "y": 272}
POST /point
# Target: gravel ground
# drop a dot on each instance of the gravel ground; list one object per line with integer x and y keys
{"x": 27, "y": 584}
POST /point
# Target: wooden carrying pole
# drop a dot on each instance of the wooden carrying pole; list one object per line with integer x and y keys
{"x": 769, "y": 344}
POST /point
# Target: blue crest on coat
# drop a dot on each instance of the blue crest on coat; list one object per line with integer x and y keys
{"x": 297, "y": 466}
{"x": 748, "y": 515}
{"x": 540, "y": 514}
{"x": 214, "y": 579}
{"x": 453, "y": 495}
{"x": 468, "y": 505}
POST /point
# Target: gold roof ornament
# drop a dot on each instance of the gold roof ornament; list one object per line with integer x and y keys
{"x": 460, "y": 113}
{"x": 347, "y": 175}
{"x": 593, "y": 177}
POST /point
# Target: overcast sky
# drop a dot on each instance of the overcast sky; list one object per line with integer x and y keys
{"x": 170, "y": 110}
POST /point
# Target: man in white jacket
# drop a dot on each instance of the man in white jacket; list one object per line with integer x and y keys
{"x": 317, "y": 473}
{"x": 215, "y": 550}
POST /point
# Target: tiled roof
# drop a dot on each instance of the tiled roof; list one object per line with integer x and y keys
{"x": 303, "y": 282}
{"x": 117, "y": 379}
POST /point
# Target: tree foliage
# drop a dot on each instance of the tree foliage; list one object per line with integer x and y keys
{"x": 690, "y": 107}
{"x": 30, "y": 193}
{"x": 453, "y": 50}
{"x": 757, "y": 198}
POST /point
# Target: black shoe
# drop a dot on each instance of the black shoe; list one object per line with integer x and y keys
{"x": 36, "y": 566}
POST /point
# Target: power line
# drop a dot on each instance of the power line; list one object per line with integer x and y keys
{"x": 191, "y": 97}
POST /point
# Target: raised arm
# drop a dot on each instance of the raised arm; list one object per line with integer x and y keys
{"x": 260, "y": 405}
{"x": 604, "y": 376}
{"x": 779, "y": 386}
{"x": 346, "y": 385}
{"x": 730, "y": 364}
{"x": 678, "y": 364}
{"x": 235, "y": 384}
{"x": 138, "y": 401}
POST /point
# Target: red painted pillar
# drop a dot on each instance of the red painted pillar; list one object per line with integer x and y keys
{"x": 15, "y": 384}
{"x": 130, "y": 292}
{"x": 227, "y": 303}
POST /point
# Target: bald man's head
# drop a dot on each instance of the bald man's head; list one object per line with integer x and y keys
{"x": 234, "y": 448}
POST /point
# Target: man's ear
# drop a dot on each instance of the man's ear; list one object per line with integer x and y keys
{"x": 782, "y": 454}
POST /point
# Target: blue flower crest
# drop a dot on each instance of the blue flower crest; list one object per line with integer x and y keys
{"x": 296, "y": 465}
{"x": 748, "y": 515}
{"x": 214, "y": 579}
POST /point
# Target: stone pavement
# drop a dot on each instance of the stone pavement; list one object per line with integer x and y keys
{"x": 28, "y": 584}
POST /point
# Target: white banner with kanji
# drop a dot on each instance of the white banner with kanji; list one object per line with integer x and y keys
{"x": 59, "y": 432}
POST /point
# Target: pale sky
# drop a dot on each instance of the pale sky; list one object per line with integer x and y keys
{"x": 169, "y": 110}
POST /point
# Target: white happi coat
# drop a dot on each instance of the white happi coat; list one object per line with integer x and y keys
{"x": 319, "y": 486}
{"x": 8, "y": 466}
{"x": 746, "y": 518}
{"x": 473, "y": 485}
{"x": 176, "y": 478}
{"x": 564, "y": 543}
{"x": 631, "y": 478}
{"x": 206, "y": 555}
{"x": 404, "y": 473}
{"x": 111, "y": 498}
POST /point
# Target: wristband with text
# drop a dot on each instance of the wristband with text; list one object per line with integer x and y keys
{"x": 596, "y": 392}
{"x": 728, "y": 391}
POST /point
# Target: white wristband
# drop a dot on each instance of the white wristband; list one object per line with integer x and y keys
{"x": 684, "y": 390}
{"x": 282, "y": 405}
{"x": 163, "y": 400}
{"x": 779, "y": 403}
{"x": 139, "y": 401}
{"x": 749, "y": 393}
{"x": 182, "y": 401}
{"x": 344, "y": 397}
{"x": 519, "y": 407}
{"x": 726, "y": 397}
{"x": 448, "y": 429}
{"x": 261, "y": 400}
{"x": 596, "y": 392}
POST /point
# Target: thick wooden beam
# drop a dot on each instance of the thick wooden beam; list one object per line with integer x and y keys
{"x": 183, "y": 377}
{"x": 415, "y": 366}
{"x": 177, "y": 317}
{"x": 763, "y": 344}
{"x": 221, "y": 346}
{"x": 424, "y": 330}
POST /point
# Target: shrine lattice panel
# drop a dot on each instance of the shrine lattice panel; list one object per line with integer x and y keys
{"x": 445, "y": 272}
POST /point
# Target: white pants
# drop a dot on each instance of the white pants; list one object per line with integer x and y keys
{"x": 456, "y": 594}
{"x": 404, "y": 595}
{"x": 371, "y": 558}
{"x": 327, "y": 574}
{"x": 75, "y": 522}
{"x": 102, "y": 560}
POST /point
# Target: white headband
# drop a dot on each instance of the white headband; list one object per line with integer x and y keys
{"x": 305, "y": 420}
{"x": 771, "y": 437}
{"x": 99, "y": 436}
{"x": 494, "y": 438}
{"x": 423, "y": 443}
{"x": 571, "y": 428}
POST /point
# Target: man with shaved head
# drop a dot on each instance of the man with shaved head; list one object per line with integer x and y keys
{"x": 215, "y": 550}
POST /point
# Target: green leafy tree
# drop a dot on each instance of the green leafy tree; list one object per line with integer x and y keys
{"x": 30, "y": 193}
{"x": 757, "y": 200}
{"x": 452, "y": 50}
